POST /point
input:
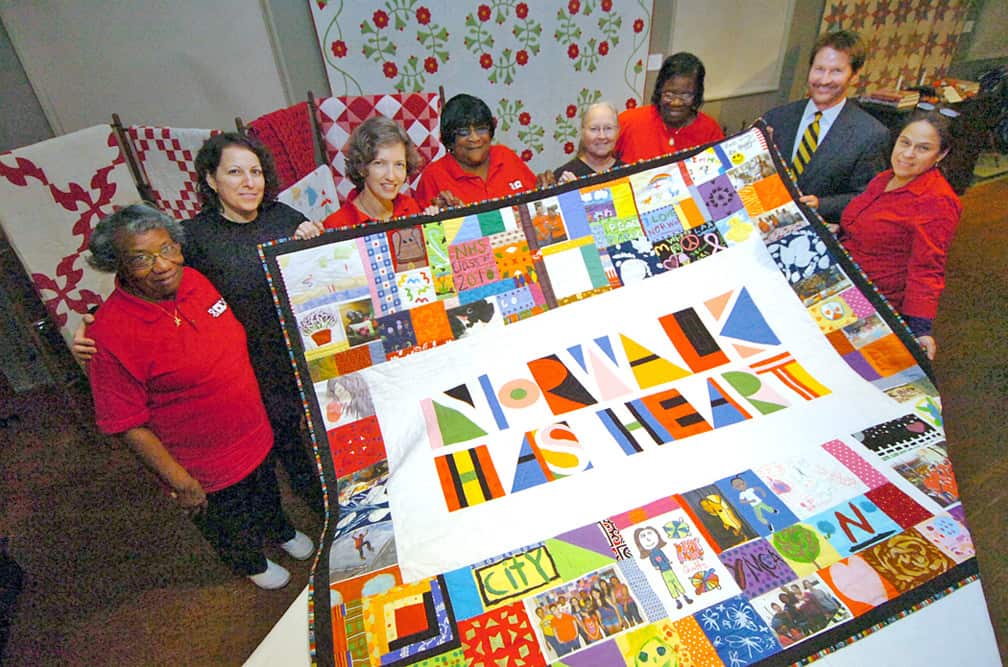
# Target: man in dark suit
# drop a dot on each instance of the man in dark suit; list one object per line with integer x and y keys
{"x": 834, "y": 146}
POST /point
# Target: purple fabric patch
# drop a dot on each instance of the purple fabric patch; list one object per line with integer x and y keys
{"x": 720, "y": 197}
{"x": 588, "y": 537}
{"x": 757, "y": 568}
{"x": 604, "y": 653}
{"x": 861, "y": 366}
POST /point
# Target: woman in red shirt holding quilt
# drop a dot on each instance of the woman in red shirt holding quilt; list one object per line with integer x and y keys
{"x": 379, "y": 158}
{"x": 899, "y": 229}
{"x": 475, "y": 168}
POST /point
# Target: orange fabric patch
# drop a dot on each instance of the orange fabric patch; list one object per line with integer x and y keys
{"x": 888, "y": 355}
{"x": 430, "y": 324}
{"x": 839, "y": 342}
{"x": 772, "y": 192}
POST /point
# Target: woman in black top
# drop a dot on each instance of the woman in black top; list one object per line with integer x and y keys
{"x": 599, "y": 131}
{"x": 237, "y": 187}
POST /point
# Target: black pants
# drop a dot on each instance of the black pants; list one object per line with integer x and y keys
{"x": 282, "y": 400}
{"x": 239, "y": 520}
{"x": 290, "y": 449}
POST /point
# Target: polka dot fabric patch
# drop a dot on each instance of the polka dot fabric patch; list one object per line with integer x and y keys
{"x": 858, "y": 302}
{"x": 856, "y": 464}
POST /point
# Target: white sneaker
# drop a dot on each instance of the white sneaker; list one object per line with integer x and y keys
{"x": 272, "y": 578}
{"x": 299, "y": 547}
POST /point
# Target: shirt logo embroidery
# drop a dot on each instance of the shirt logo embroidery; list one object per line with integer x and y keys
{"x": 218, "y": 308}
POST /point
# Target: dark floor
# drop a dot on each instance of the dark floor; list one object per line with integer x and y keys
{"x": 116, "y": 575}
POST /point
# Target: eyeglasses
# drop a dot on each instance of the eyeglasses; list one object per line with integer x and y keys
{"x": 481, "y": 130}
{"x": 945, "y": 111}
{"x": 144, "y": 261}
{"x": 602, "y": 129}
{"x": 669, "y": 95}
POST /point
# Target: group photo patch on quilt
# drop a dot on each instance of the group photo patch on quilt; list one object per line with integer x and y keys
{"x": 655, "y": 416}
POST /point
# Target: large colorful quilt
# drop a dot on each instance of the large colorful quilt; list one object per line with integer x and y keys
{"x": 652, "y": 417}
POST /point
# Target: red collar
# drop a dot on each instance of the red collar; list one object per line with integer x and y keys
{"x": 148, "y": 311}
{"x": 920, "y": 185}
{"x": 455, "y": 170}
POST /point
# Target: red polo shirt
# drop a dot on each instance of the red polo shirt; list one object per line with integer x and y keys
{"x": 192, "y": 385}
{"x": 644, "y": 135}
{"x": 349, "y": 215}
{"x": 901, "y": 238}
{"x": 506, "y": 175}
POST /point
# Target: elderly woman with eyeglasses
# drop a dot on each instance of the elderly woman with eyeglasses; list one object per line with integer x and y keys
{"x": 475, "y": 169}
{"x": 237, "y": 187}
{"x": 900, "y": 228}
{"x": 172, "y": 378}
{"x": 597, "y": 148}
{"x": 673, "y": 121}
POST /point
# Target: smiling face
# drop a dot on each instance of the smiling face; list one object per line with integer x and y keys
{"x": 386, "y": 172}
{"x": 917, "y": 149}
{"x": 158, "y": 281}
{"x": 676, "y": 101}
{"x": 655, "y": 653}
{"x": 239, "y": 183}
{"x": 599, "y": 132}
{"x": 829, "y": 77}
{"x": 472, "y": 147}
{"x": 648, "y": 538}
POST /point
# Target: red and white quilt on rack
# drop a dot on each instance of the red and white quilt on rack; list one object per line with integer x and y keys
{"x": 53, "y": 195}
{"x": 417, "y": 113}
{"x": 167, "y": 157}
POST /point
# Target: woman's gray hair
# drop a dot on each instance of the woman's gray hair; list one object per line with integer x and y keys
{"x": 132, "y": 219}
{"x": 604, "y": 104}
{"x": 608, "y": 106}
{"x": 374, "y": 133}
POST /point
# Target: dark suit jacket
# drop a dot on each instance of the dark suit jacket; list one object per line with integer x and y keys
{"x": 852, "y": 153}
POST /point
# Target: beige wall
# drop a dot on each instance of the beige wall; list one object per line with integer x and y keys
{"x": 180, "y": 63}
{"x": 736, "y": 112}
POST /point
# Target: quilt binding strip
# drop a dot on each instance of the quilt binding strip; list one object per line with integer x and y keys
{"x": 805, "y": 651}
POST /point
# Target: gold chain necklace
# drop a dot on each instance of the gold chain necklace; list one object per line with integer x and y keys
{"x": 674, "y": 131}
{"x": 174, "y": 315}
{"x": 362, "y": 206}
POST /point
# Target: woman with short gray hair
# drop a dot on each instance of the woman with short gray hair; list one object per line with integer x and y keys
{"x": 597, "y": 145}
{"x": 172, "y": 378}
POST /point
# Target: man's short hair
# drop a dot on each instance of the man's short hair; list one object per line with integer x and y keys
{"x": 846, "y": 41}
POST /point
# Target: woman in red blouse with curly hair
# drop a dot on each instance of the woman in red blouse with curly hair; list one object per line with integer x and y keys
{"x": 379, "y": 159}
{"x": 899, "y": 229}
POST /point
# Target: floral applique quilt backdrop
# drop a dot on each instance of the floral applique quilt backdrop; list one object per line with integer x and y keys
{"x": 535, "y": 64}
{"x": 653, "y": 413}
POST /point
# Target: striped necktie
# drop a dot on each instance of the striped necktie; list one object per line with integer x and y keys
{"x": 809, "y": 141}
